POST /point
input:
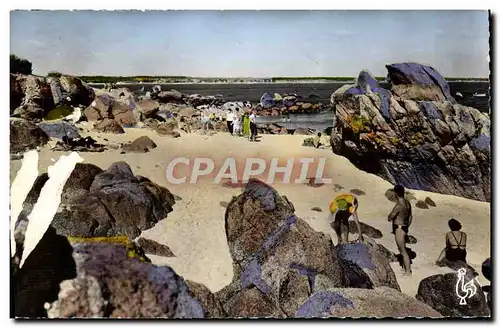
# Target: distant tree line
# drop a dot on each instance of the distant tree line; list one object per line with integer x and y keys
{"x": 20, "y": 65}
{"x": 115, "y": 79}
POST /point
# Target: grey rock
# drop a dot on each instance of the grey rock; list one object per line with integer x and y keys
{"x": 25, "y": 135}
{"x": 438, "y": 291}
{"x": 59, "y": 130}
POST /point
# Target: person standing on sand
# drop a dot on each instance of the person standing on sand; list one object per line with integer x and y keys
{"x": 341, "y": 209}
{"x": 253, "y": 126}
{"x": 205, "y": 120}
{"x": 229, "y": 120}
{"x": 246, "y": 125}
{"x": 237, "y": 125}
{"x": 401, "y": 217}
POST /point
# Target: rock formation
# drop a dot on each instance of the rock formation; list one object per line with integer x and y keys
{"x": 424, "y": 141}
{"x": 439, "y": 291}
{"x": 34, "y": 96}
{"x": 25, "y": 135}
{"x": 284, "y": 268}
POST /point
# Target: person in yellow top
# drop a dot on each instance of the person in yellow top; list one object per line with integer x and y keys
{"x": 341, "y": 209}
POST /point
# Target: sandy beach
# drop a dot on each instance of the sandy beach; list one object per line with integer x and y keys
{"x": 194, "y": 231}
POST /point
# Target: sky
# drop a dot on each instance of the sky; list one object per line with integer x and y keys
{"x": 250, "y": 43}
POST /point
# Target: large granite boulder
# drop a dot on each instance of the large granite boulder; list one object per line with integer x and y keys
{"x": 366, "y": 266}
{"x": 147, "y": 108}
{"x": 366, "y": 84}
{"x": 426, "y": 145}
{"x": 69, "y": 90}
{"x": 16, "y": 93}
{"x": 59, "y": 129}
{"x": 109, "y": 126}
{"x": 418, "y": 82}
{"x": 36, "y": 96}
{"x": 25, "y": 135}
{"x": 267, "y": 100}
{"x": 79, "y": 181}
{"x": 37, "y": 281}
{"x": 112, "y": 284}
{"x": 99, "y": 108}
{"x": 170, "y": 96}
{"x": 381, "y": 302}
{"x": 211, "y": 306}
{"x": 101, "y": 278}
{"x": 97, "y": 203}
{"x": 117, "y": 104}
{"x": 32, "y": 97}
{"x": 278, "y": 258}
{"x": 440, "y": 292}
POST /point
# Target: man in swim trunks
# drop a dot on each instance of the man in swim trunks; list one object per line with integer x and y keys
{"x": 341, "y": 209}
{"x": 401, "y": 217}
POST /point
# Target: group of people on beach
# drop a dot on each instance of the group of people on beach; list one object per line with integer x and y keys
{"x": 345, "y": 206}
{"x": 240, "y": 122}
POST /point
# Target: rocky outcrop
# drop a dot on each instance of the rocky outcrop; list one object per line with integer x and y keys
{"x": 36, "y": 97}
{"x": 168, "y": 129}
{"x": 117, "y": 104}
{"x": 211, "y": 306}
{"x": 37, "y": 281}
{"x": 439, "y": 292}
{"x": 114, "y": 202}
{"x": 274, "y": 105}
{"x": 71, "y": 91}
{"x": 147, "y": 108}
{"x": 418, "y": 82}
{"x": 25, "y": 135}
{"x": 108, "y": 126}
{"x": 279, "y": 260}
{"x": 436, "y": 146}
{"x": 33, "y": 96}
{"x": 366, "y": 266}
{"x": 380, "y": 302}
{"x": 111, "y": 284}
{"x": 59, "y": 130}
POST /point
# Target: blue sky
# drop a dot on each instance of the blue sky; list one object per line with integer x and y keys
{"x": 250, "y": 43}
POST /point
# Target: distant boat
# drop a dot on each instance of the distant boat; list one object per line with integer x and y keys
{"x": 479, "y": 94}
{"x": 459, "y": 94}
